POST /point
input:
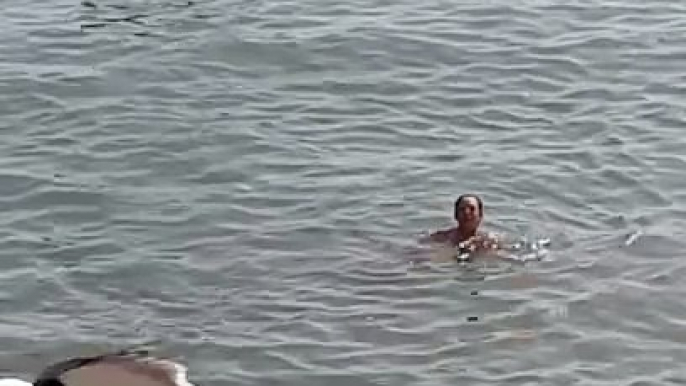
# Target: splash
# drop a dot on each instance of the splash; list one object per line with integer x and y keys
{"x": 527, "y": 250}
{"x": 519, "y": 250}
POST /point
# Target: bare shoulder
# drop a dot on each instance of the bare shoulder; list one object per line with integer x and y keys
{"x": 442, "y": 235}
{"x": 439, "y": 236}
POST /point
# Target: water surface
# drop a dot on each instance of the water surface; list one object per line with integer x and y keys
{"x": 243, "y": 182}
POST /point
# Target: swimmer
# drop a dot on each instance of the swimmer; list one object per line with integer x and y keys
{"x": 469, "y": 210}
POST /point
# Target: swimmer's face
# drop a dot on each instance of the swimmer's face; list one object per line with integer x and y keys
{"x": 467, "y": 212}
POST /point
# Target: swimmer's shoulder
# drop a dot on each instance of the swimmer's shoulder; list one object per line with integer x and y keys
{"x": 440, "y": 236}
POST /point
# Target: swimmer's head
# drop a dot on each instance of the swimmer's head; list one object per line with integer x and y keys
{"x": 469, "y": 210}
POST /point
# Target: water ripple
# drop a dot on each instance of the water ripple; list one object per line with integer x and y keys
{"x": 244, "y": 183}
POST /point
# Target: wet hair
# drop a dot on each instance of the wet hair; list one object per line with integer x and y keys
{"x": 478, "y": 200}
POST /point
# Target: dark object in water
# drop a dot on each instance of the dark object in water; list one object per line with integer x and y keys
{"x": 472, "y": 318}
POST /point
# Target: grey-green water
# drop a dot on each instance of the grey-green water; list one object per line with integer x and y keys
{"x": 243, "y": 182}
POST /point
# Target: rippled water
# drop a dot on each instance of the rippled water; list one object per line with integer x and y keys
{"x": 244, "y": 183}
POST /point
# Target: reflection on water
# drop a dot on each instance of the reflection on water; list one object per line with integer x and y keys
{"x": 103, "y": 14}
